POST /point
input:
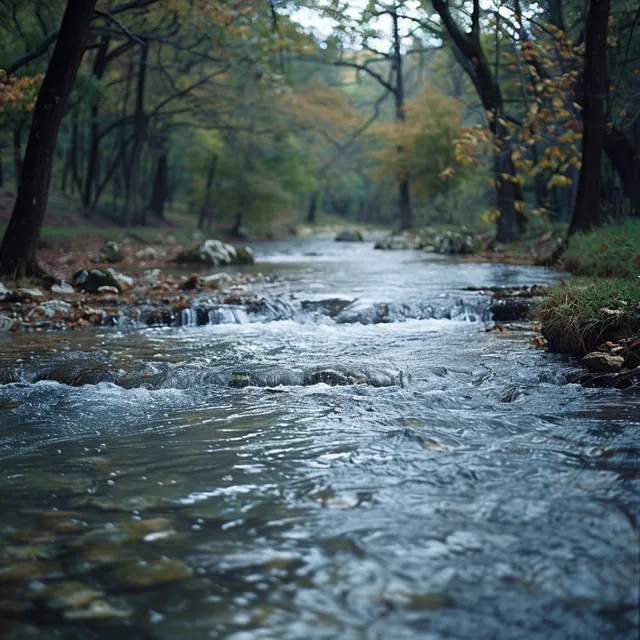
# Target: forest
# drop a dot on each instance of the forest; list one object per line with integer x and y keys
{"x": 319, "y": 319}
{"x": 397, "y": 114}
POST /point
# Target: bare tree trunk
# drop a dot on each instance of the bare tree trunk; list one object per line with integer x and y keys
{"x": 18, "y": 248}
{"x": 313, "y": 207}
{"x": 468, "y": 50}
{"x": 587, "y": 213}
{"x": 205, "y": 209}
{"x": 99, "y": 67}
{"x": 404, "y": 189}
{"x": 131, "y": 177}
{"x": 17, "y": 151}
{"x": 160, "y": 187}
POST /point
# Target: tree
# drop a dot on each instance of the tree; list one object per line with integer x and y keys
{"x": 471, "y": 55}
{"x": 18, "y": 249}
{"x": 587, "y": 210}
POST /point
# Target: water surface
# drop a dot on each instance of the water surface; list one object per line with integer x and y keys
{"x": 459, "y": 489}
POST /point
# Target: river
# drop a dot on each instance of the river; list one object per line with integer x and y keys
{"x": 459, "y": 489}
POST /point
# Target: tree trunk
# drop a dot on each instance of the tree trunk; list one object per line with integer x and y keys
{"x": 404, "y": 189}
{"x": 99, "y": 67}
{"x": 586, "y": 212}
{"x": 468, "y": 50}
{"x": 131, "y": 176}
{"x": 205, "y": 209}
{"x": 18, "y": 249}
{"x": 17, "y": 151}
{"x": 160, "y": 187}
{"x": 313, "y": 207}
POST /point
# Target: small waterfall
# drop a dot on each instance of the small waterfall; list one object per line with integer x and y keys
{"x": 222, "y": 315}
{"x": 188, "y": 318}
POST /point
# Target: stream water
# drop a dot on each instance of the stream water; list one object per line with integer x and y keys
{"x": 457, "y": 488}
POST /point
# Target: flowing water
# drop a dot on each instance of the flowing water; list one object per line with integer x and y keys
{"x": 445, "y": 483}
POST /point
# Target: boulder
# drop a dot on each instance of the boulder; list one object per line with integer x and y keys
{"x": 244, "y": 255}
{"x": 352, "y": 235}
{"x": 454, "y": 243}
{"x": 6, "y": 323}
{"x": 61, "y": 289}
{"x": 216, "y": 253}
{"x": 603, "y": 362}
{"x": 110, "y": 252}
{"x": 147, "y": 253}
{"x": 125, "y": 282}
{"x": 4, "y": 292}
{"x": 91, "y": 281}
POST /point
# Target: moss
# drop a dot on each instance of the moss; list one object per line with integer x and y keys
{"x": 612, "y": 251}
{"x": 578, "y": 316}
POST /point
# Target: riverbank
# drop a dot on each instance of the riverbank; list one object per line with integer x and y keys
{"x": 596, "y": 316}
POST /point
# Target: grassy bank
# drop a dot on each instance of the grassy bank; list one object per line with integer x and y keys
{"x": 580, "y": 315}
{"x": 610, "y": 252}
{"x": 600, "y": 308}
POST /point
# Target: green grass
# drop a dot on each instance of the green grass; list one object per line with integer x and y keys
{"x": 612, "y": 251}
{"x": 580, "y": 315}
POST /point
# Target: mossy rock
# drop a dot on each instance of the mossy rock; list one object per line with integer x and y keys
{"x": 91, "y": 281}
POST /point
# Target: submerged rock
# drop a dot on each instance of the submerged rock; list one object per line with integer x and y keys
{"x": 327, "y": 376}
{"x": 69, "y": 595}
{"x": 98, "y": 610}
{"x": 603, "y": 362}
{"x": 351, "y": 235}
{"x": 240, "y": 380}
{"x": 148, "y": 574}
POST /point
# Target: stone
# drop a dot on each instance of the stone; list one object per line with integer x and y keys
{"x": 401, "y": 241}
{"x": 125, "y": 282}
{"x": 110, "y": 252}
{"x": 31, "y": 293}
{"x": 148, "y": 574}
{"x": 328, "y": 376}
{"x": 240, "y": 380}
{"x": 4, "y": 292}
{"x": 216, "y": 280}
{"x": 51, "y": 307}
{"x": 603, "y": 362}
{"x": 6, "y": 323}
{"x": 244, "y": 255}
{"x": 216, "y": 253}
{"x": 69, "y": 595}
{"x": 63, "y": 288}
{"x": 147, "y": 253}
{"x": 350, "y": 235}
{"x": 91, "y": 281}
{"x": 108, "y": 290}
{"x": 98, "y": 610}
{"x": 454, "y": 243}
{"x": 20, "y": 571}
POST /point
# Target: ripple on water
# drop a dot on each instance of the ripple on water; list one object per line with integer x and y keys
{"x": 481, "y": 497}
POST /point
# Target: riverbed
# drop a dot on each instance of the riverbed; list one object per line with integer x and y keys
{"x": 380, "y": 467}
